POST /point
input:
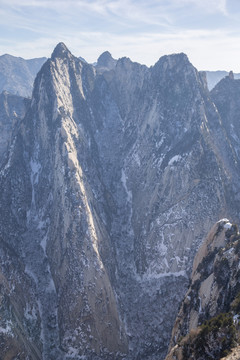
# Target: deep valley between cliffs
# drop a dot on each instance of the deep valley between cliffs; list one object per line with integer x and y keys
{"x": 111, "y": 178}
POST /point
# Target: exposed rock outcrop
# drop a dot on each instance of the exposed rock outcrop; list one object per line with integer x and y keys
{"x": 105, "y": 62}
{"x": 112, "y": 183}
{"x": 12, "y": 110}
{"x": 214, "y": 77}
{"x": 207, "y": 324}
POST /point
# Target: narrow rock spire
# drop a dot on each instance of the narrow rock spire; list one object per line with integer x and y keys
{"x": 60, "y": 51}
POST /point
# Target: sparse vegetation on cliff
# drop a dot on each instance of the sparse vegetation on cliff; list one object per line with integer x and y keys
{"x": 213, "y": 340}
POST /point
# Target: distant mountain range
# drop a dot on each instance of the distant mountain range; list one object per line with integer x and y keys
{"x": 17, "y": 74}
{"x": 213, "y": 77}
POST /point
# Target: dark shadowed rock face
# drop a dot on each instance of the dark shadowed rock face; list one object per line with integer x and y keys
{"x": 226, "y": 96}
{"x": 12, "y": 110}
{"x": 113, "y": 181}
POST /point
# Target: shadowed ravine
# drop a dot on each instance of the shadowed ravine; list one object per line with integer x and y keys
{"x": 113, "y": 179}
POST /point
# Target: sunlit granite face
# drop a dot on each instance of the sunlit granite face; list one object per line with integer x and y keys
{"x": 114, "y": 178}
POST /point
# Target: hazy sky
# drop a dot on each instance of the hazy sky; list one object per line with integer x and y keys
{"x": 208, "y": 31}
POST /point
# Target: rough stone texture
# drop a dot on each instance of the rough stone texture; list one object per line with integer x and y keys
{"x": 235, "y": 354}
{"x": 20, "y": 318}
{"x": 214, "y": 285}
{"x": 12, "y": 110}
{"x": 113, "y": 181}
{"x": 105, "y": 62}
{"x": 226, "y": 96}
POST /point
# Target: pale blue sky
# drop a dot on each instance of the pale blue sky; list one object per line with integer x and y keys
{"x": 208, "y": 31}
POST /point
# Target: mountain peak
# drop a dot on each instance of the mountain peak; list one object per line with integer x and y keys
{"x": 173, "y": 60}
{"x": 231, "y": 75}
{"x": 106, "y": 60}
{"x": 60, "y": 51}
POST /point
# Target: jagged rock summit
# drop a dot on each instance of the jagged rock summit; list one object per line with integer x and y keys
{"x": 105, "y": 62}
{"x": 105, "y": 59}
{"x": 60, "y": 51}
{"x": 231, "y": 75}
{"x": 105, "y": 196}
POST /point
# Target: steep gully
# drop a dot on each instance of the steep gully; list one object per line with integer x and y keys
{"x": 117, "y": 191}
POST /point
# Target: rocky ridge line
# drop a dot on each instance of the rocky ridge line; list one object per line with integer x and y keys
{"x": 105, "y": 198}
